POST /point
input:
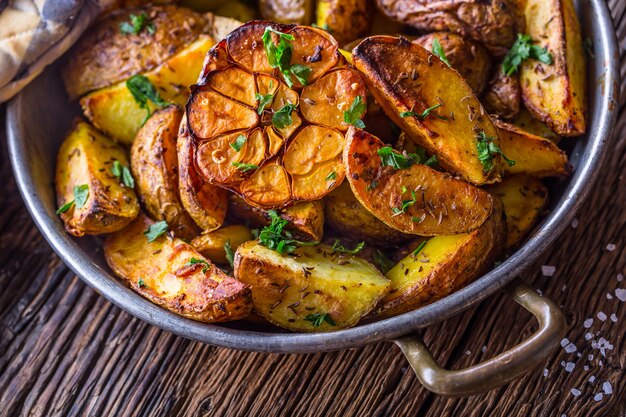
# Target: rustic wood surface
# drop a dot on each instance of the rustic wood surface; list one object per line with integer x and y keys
{"x": 64, "y": 350}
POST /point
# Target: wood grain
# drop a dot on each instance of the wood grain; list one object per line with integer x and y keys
{"x": 64, "y": 350}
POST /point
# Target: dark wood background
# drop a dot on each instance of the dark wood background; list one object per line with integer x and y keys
{"x": 64, "y": 350}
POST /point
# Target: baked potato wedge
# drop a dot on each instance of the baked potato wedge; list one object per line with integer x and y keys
{"x": 556, "y": 94}
{"x": 206, "y": 204}
{"x": 154, "y": 163}
{"x": 119, "y": 115}
{"x": 492, "y": 23}
{"x": 443, "y": 265}
{"x": 346, "y": 20}
{"x": 431, "y": 103}
{"x": 213, "y": 244}
{"x": 503, "y": 95}
{"x": 527, "y": 122}
{"x": 411, "y": 197}
{"x": 316, "y": 290}
{"x": 287, "y": 11}
{"x": 468, "y": 57}
{"x": 220, "y": 26}
{"x": 306, "y": 219}
{"x": 345, "y": 215}
{"x": 532, "y": 154}
{"x": 91, "y": 198}
{"x": 107, "y": 54}
{"x": 525, "y": 199}
{"x": 170, "y": 273}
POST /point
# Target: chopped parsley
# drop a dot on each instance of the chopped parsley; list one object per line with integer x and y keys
{"x": 419, "y": 248}
{"x": 264, "y": 101}
{"x": 282, "y": 118}
{"x": 522, "y": 50}
{"x": 238, "y": 143}
{"x": 423, "y": 114}
{"x": 274, "y": 237}
{"x": 405, "y": 203}
{"x": 230, "y": 254}
{"x": 353, "y": 115}
{"x": 155, "y": 230}
{"x": 144, "y": 91}
{"x": 244, "y": 167}
{"x": 396, "y": 160}
{"x": 331, "y": 176}
{"x": 301, "y": 72}
{"x": 372, "y": 185}
{"x": 339, "y": 248}
{"x": 81, "y": 194}
{"x": 383, "y": 262}
{"x": 486, "y": 151}
{"x": 122, "y": 173}
{"x": 316, "y": 319}
{"x": 279, "y": 56}
{"x": 65, "y": 207}
{"x": 195, "y": 261}
{"x": 437, "y": 49}
{"x": 136, "y": 24}
{"x": 141, "y": 283}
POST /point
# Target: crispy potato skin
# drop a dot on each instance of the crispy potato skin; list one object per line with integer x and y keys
{"x": 86, "y": 157}
{"x": 403, "y": 76}
{"x": 104, "y": 55}
{"x": 287, "y": 289}
{"x": 527, "y": 122}
{"x": 444, "y": 265}
{"x": 212, "y": 244}
{"x": 468, "y": 57}
{"x": 155, "y": 168}
{"x": 442, "y": 205}
{"x": 346, "y": 20}
{"x": 556, "y": 94}
{"x": 348, "y": 217}
{"x": 532, "y": 154}
{"x": 205, "y": 203}
{"x": 493, "y": 23}
{"x": 306, "y": 219}
{"x": 503, "y": 95}
{"x": 167, "y": 278}
{"x": 525, "y": 199}
{"x": 287, "y": 11}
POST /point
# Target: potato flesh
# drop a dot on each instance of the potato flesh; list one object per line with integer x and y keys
{"x": 442, "y": 204}
{"x": 161, "y": 271}
{"x": 86, "y": 157}
{"x": 347, "y": 20}
{"x": 212, "y": 244}
{"x": 287, "y": 289}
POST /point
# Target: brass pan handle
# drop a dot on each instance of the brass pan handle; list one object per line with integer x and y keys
{"x": 500, "y": 369}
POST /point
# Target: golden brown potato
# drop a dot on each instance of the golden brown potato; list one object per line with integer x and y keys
{"x": 106, "y": 54}
{"x": 533, "y": 155}
{"x": 431, "y": 103}
{"x": 170, "y": 273}
{"x": 91, "y": 198}
{"x": 503, "y": 95}
{"x": 556, "y": 94}
{"x": 413, "y": 198}
{"x": 527, "y": 122}
{"x": 274, "y": 137}
{"x": 306, "y": 219}
{"x": 205, "y": 203}
{"x": 316, "y": 290}
{"x": 493, "y": 23}
{"x": 468, "y": 57}
{"x": 155, "y": 166}
{"x": 346, "y": 20}
{"x": 242, "y": 11}
{"x": 525, "y": 199}
{"x": 117, "y": 113}
{"x": 443, "y": 265}
{"x": 213, "y": 244}
{"x": 287, "y": 11}
{"x": 347, "y": 216}
{"x": 220, "y": 26}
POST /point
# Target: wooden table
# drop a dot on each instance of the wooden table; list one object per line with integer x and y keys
{"x": 65, "y": 350}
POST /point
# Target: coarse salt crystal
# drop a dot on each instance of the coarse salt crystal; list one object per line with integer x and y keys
{"x": 609, "y": 296}
{"x": 613, "y": 318}
{"x": 467, "y": 352}
{"x": 548, "y": 270}
{"x": 610, "y": 247}
{"x": 575, "y": 392}
{"x": 598, "y": 397}
{"x": 592, "y": 378}
{"x": 588, "y": 336}
{"x": 483, "y": 349}
{"x": 601, "y": 315}
{"x": 620, "y": 277}
{"x": 578, "y": 355}
{"x": 574, "y": 223}
{"x": 569, "y": 366}
{"x": 539, "y": 291}
{"x": 545, "y": 372}
{"x": 587, "y": 323}
{"x": 563, "y": 287}
{"x": 607, "y": 388}
{"x": 590, "y": 357}
{"x": 620, "y": 293}
{"x": 586, "y": 368}
{"x": 571, "y": 348}
{"x": 564, "y": 342}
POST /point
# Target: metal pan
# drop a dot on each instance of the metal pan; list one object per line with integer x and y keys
{"x": 39, "y": 117}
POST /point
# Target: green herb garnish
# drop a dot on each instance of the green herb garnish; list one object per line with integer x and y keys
{"x": 230, "y": 254}
{"x": 141, "y": 283}
{"x": 522, "y": 50}
{"x": 279, "y": 56}
{"x": 331, "y": 176}
{"x": 372, "y": 185}
{"x": 244, "y": 167}
{"x": 264, "y": 101}
{"x": 437, "y": 49}
{"x": 238, "y": 143}
{"x": 392, "y": 158}
{"x": 155, "y": 230}
{"x": 353, "y": 115}
{"x": 122, "y": 173}
{"x": 486, "y": 151}
{"x": 195, "y": 261}
{"x": 383, "y": 262}
{"x": 136, "y": 24}
{"x": 301, "y": 72}
{"x": 81, "y": 194}
{"x": 317, "y": 319}
{"x": 405, "y": 203}
{"x": 339, "y": 248}
{"x": 274, "y": 237}
{"x": 144, "y": 91}
{"x": 419, "y": 249}
{"x": 282, "y": 118}
{"x": 423, "y": 114}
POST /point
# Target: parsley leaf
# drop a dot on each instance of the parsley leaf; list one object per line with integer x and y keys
{"x": 143, "y": 91}
{"x": 65, "y": 207}
{"x": 122, "y": 172}
{"x": 353, "y": 115}
{"x": 522, "y": 50}
{"x": 282, "y": 118}
{"x": 316, "y": 319}
{"x": 383, "y": 262}
{"x": 279, "y": 56}
{"x": 339, "y": 248}
{"x": 136, "y": 24}
{"x": 230, "y": 254}
{"x": 437, "y": 49}
{"x": 486, "y": 151}
{"x": 194, "y": 261}
{"x": 244, "y": 167}
{"x": 301, "y": 72}
{"x": 155, "y": 230}
{"x": 432, "y": 161}
{"x": 405, "y": 203}
{"x": 274, "y": 237}
{"x": 81, "y": 194}
{"x": 419, "y": 249}
{"x": 423, "y": 114}
{"x": 141, "y": 283}
{"x": 264, "y": 101}
{"x": 392, "y": 158}
{"x": 331, "y": 176}
{"x": 238, "y": 143}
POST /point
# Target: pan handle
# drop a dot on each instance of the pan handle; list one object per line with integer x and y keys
{"x": 500, "y": 369}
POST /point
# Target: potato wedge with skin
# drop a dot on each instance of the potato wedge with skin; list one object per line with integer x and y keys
{"x": 306, "y": 219}
{"x": 525, "y": 200}
{"x": 346, "y": 20}
{"x": 533, "y": 155}
{"x": 528, "y": 123}
{"x": 292, "y": 292}
{"x": 556, "y": 94}
{"x": 442, "y": 266}
{"x": 205, "y": 203}
{"x": 287, "y": 11}
{"x": 417, "y": 200}
{"x": 404, "y": 77}
{"x": 105, "y": 55}
{"x": 162, "y": 272}
{"x": 86, "y": 157}
{"x": 346, "y": 215}
{"x": 115, "y": 112}
{"x": 154, "y": 163}
{"x": 212, "y": 244}
{"x": 503, "y": 95}
{"x": 220, "y": 26}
